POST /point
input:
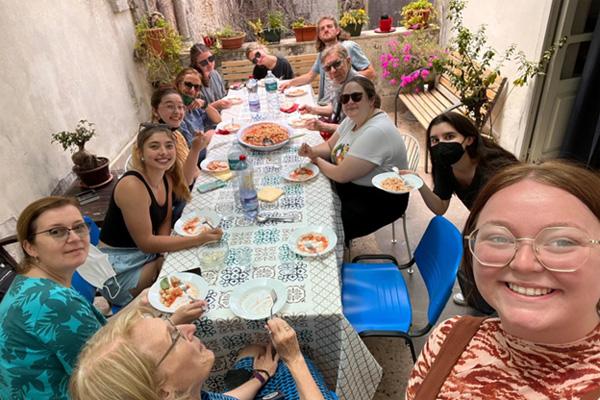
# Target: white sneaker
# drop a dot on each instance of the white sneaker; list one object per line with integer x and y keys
{"x": 459, "y": 299}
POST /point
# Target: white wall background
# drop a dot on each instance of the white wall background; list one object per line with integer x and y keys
{"x": 511, "y": 21}
{"x": 62, "y": 61}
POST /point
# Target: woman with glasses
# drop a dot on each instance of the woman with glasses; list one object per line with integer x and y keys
{"x": 43, "y": 322}
{"x": 264, "y": 61}
{"x": 213, "y": 86}
{"x": 138, "y": 356}
{"x": 462, "y": 161}
{"x": 199, "y": 115}
{"x": 137, "y": 226}
{"x": 365, "y": 144}
{"x": 532, "y": 245}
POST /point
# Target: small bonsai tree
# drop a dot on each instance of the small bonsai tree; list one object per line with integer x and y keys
{"x": 77, "y": 139}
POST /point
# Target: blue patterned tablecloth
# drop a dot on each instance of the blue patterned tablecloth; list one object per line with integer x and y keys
{"x": 313, "y": 304}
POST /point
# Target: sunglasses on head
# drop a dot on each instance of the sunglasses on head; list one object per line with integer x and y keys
{"x": 335, "y": 65}
{"x": 256, "y": 57}
{"x": 356, "y": 97}
{"x": 191, "y": 85}
{"x": 205, "y": 62}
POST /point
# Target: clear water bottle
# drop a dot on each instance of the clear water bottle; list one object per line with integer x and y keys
{"x": 248, "y": 196}
{"x": 253, "y": 99}
{"x": 237, "y": 162}
{"x": 272, "y": 95}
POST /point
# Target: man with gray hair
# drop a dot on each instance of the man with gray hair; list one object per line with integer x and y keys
{"x": 336, "y": 64}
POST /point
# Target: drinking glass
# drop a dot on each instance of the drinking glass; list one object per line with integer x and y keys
{"x": 212, "y": 256}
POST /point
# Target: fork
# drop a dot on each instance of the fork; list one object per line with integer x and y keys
{"x": 273, "y": 295}
{"x": 183, "y": 287}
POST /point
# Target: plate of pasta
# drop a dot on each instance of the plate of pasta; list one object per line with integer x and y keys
{"x": 312, "y": 241}
{"x": 397, "y": 184}
{"x": 302, "y": 173}
{"x": 196, "y": 222}
{"x": 265, "y": 135}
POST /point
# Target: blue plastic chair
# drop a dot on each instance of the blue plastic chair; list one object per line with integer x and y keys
{"x": 375, "y": 298}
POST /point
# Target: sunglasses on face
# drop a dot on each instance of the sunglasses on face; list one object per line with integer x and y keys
{"x": 334, "y": 65}
{"x": 256, "y": 57}
{"x": 191, "y": 85}
{"x": 62, "y": 232}
{"x": 356, "y": 97}
{"x": 205, "y": 62}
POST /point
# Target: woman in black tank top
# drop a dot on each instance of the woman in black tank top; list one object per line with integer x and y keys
{"x": 138, "y": 222}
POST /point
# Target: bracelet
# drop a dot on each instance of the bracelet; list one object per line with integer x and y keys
{"x": 256, "y": 373}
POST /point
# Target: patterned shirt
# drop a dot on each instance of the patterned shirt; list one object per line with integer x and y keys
{"x": 497, "y": 365}
{"x": 214, "y": 396}
{"x": 43, "y": 325}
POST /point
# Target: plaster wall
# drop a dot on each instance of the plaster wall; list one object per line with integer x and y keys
{"x": 523, "y": 23}
{"x": 63, "y": 61}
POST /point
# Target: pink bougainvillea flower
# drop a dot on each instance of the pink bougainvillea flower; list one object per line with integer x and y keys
{"x": 393, "y": 81}
{"x": 424, "y": 73}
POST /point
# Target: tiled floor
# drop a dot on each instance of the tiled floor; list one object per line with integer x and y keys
{"x": 392, "y": 354}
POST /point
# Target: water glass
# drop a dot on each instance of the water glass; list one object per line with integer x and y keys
{"x": 212, "y": 256}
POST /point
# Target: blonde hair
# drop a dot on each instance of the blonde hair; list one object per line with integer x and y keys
{"x": 26, "y": 224}
{"x": 254, "y": 47}
{"x": 112, "y": 367}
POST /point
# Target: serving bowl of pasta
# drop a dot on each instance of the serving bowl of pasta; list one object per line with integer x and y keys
{"x": 265, "y": 135}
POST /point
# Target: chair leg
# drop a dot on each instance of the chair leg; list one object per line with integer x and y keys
{"x": 394, "y": 233}
{"x": 411, "y": 269}
{"x": 410, "y": 344}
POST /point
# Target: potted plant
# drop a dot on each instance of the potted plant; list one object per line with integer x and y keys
{"x": 158, "y": 46}
{"x": 416, "y": 14}
{"x": 271, "y": 31}
{"x": 304, "y": 31}
{"x": 414, "y": 63}
{"x": 91, "y": 170}
{"x": 230, "y": 38}
{"x": 353, "y": 20}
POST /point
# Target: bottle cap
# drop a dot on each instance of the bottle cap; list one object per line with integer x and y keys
{"x": 242, "y": 157}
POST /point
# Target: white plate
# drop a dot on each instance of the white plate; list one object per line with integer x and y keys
{"x": 221, "y": 126}
{"x": 203, "y": 215}
{"x": 323, "y": 230}
{"x": 206, "y": 161}
{"x": 186, "y": 277}
{"x": 252, "y": 299}
{"x": 235, "y": 100}
{"x": 276, "y": 146}
{"x": 294, "y": 92}
{"x": 410, "y": 179}
{"x": 286, "y": 173}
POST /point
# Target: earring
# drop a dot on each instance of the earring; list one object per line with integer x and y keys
{"x": 142, "y": 159}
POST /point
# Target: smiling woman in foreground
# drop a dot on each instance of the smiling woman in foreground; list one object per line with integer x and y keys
{"x": 532, "y": 246}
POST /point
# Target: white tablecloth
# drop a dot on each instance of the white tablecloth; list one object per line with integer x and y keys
{"x": 313, "y": 305}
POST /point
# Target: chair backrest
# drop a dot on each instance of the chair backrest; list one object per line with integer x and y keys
{"x": 438, "y": 256}
{"x": 413, "y": 150}
{"x": 236, "y": 70}
{"x": 302, "y": 63}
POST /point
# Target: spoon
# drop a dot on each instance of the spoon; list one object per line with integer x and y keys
{"x": 267, "y": 142}
{"x": 396, "y": 170}
{"x": 264, "y": 218}
{"x": 273, "y": 295}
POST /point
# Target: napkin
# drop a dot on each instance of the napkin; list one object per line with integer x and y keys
{"x": 290, "y": 109}
{"x": 223, "y": 176}
{"x": 269, "y": 194}
{"x": 222, "y": 132}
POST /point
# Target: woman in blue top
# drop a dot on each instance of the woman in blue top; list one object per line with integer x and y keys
{"x": 43, "y": 322}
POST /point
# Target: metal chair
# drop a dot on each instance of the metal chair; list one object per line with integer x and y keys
{"x": 413, "y": 150}
{"x": 375, "y": 298}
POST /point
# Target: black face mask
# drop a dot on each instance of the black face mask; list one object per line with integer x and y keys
{"x": 447, "y": 154}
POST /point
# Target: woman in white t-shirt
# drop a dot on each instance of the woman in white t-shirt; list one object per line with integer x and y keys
{"x": 365, "y": 144}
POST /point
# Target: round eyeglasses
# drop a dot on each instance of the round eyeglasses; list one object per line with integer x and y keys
{"x": 62, "y": 232}
{"x": 557, "y": 248}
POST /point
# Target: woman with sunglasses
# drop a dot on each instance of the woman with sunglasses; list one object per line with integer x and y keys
{"x": 138, "y": 356}
{"x": 365, "y": 144}
{"x": 213, "y": 87}
{"x": 137, "y": 226}
{"x": 462, "y": 161}
{"x": 264, "y": 61}
{"x": 199, "y": 115}
{"x": 532, "y": 246}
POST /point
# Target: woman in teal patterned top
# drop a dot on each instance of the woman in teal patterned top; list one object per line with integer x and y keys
{"x": 44, "y": 323}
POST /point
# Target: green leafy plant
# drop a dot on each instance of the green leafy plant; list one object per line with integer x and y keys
{"x": 76, "y": 140}
{"x": 354, "y": 17}
{"x": 275, "y": 21}
{"x": 475, "y": 65}
{"x": 416, "y": 14}
{"x": 300, "y": 23}
{"x": 158, "y": 46}
{"x": 228, "y": 32}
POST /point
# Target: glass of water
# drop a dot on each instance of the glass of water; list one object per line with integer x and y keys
{"x": 212, "y": 256}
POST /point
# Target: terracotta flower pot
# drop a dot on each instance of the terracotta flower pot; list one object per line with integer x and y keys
{"x": 306, "y": 33}
{"x": 232, "y": 42}
{"x": 209, "y": 40}
{"x": 95, "y": 177}
{"x": 154, "y": 36}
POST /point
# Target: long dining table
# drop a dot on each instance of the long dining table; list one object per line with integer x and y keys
{"x": 260, "y": 250}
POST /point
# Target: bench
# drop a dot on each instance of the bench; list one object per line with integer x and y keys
{"x": 240, "y": 70}
{"x": 444, "y": 97}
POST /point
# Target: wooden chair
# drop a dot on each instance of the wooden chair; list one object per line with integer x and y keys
{"x": 302, "y": 63}
{"x": 444, "y": 97}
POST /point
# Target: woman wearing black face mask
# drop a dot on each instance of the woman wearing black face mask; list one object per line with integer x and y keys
{"x": 462, "y": 162}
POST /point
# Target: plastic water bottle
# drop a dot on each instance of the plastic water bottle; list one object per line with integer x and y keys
{"x": 272, "y": 96}
{"x": 248, "y": 196}
{"x": 253, "y": 99}
{"x": 236, "y": 160}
